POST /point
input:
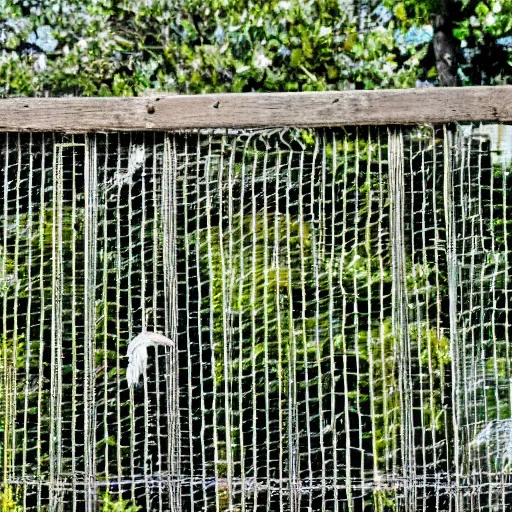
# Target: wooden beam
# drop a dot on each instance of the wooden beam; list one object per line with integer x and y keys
{"x": 258, "y": 110}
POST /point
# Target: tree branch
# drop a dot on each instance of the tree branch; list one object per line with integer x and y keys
{"x": 445, "y": 46}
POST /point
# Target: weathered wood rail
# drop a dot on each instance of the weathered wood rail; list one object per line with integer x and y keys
{"x": 258, "y": 110}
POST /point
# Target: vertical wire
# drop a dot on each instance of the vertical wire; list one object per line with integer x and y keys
{"x": 15, "y": 347}
{"x": 105, "y": 303}
{"x": 356, "y": 314}
{"x": 477, "y": 373}
{"x": 119, "y": 456}
{"x": 326, "y": 428}
{"x": 452, "y": 291}
{"x": 253, "y": 324}
{"x": 90, "y": 316}
{"x": 266, "y": 318}
{"x": 28, "y": 319}
{"x": 12, "y": 367}
{"x": 464, "y": 161}
{"x": 506, "y": 308}
{"x": 495, "y": 342}
{"x": 388, "y": 457}
{"x": 323, "y": 201}
{"x": 93, "y": 319}
{"x": 394, "y": 199}
{"x": 156, "y": 266}
{"x": 211, "y": 316}
{"x": 173, "y": 359}
{"x": 130, "y": 308}
{"x": 420, "y": 326}
{"x": 101, "y": 363}
{"x": 431, "y": 396}
{"x": 400, "y": 301}
{"x": 190, "y": 388}
{"x": 316, "y": 258}
{"x": 293, "y": 427}
{"x": 166, "y": 257}
{"x": 41, "y": 323}
{"x": 348, "y": 447}
{"x": 228, "y": 352}
{"x": 278, "y": 272}
{"x": 477, "y": 370}
{"x": 304, "y": 333}
{"x": 226, "y": 310}
{"x": 490, "y": 252}
{"x": 133, "y": 424}
{"x": 57, "y": 151}
{"x": 174, "y": 369}
{"x": 369, "y": 278}
{"x": 92, "y": 481}
{"x": 199, "y": 316}
{"x": 57, "y": 326}
{"x": 373, "y": 147}
{"x": 154, "y": 308}
{"x": 241, "y": 326}
{"x": 412, "y": 483}
{"x": 412, "y": 486}
{"x": 74, "y": 305}
{"x": 175, "y": 411}
{"x": 332, "y": 353}
{"x": 437, "y": 264}
{"x": 478, "y": 246}
{"x": 7, "y": 392}
{"x": 72, "y": 296}
{"x": 74, "y": 359}
{"x": 147, "y": 469}
{"x": 396, "y": 411}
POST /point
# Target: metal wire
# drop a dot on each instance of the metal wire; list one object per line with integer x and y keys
{"x": 336, "y": 305}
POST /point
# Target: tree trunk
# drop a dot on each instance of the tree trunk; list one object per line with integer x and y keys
{"x": 445, "y": 47}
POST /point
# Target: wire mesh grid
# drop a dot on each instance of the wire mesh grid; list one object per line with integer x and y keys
{"x": 335, "y": 304}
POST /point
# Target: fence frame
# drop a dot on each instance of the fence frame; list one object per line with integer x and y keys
{"x": 257, "y": 110}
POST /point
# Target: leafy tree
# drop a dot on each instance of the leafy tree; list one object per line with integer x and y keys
{"x": 123, "y": 48}
{"x": 471, "y": 42}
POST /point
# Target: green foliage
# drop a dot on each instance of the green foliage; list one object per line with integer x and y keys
{"x": 6, "y": 270}
{"x": 123, "y": 48}
{"x": 476, "y": 27}
{"x": 11, "y": 358}
{"x": 39, "y": 228}
{"x": 14, "y": 278}
{"x": 119, "y": 505}
{"x": 258, "y": 288}
{"x": 8, "y": 500}
{"x": 379, "y": 348}
{"x": 384, "y": 500}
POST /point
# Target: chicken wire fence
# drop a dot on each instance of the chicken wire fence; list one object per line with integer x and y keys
{"x": 285, "y": 319}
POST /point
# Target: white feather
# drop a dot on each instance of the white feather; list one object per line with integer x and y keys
{"x": 138, "y": 353}
{"x": 136, "y": 159}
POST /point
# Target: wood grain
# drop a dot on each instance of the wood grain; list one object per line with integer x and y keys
{"x": 258, "y": 110}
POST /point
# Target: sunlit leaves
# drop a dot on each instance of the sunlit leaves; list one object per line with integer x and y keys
{"x": 123, "y": 48}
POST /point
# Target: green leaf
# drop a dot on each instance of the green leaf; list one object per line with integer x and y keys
{"x": 400, "y": 12}
{"x": 481, "y": 9}
{"x": 297, "y": 57}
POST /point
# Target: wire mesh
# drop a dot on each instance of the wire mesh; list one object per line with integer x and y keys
{"x": 320, "y": 320}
